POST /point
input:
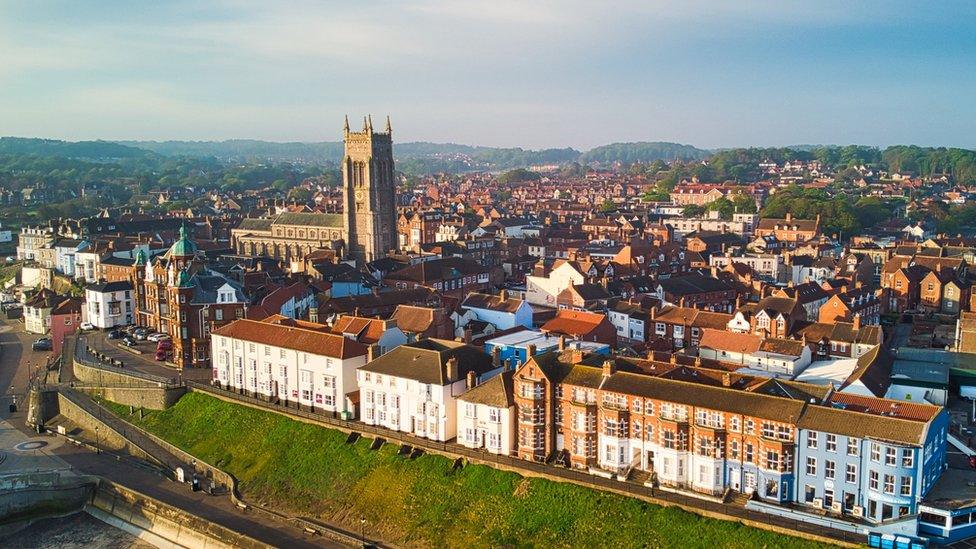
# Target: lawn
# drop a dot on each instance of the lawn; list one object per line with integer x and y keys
{"x": 311, "y": 471}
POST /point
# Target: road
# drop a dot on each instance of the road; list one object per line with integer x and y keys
{"x": 16, "y": 361}
{"x": 145, "y": 362}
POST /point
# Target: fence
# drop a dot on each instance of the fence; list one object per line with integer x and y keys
{"x": 692, "y": 503}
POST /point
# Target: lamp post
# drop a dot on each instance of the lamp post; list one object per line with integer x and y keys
{"x": 97, "y": 449}
{"x": 362, "y": 529}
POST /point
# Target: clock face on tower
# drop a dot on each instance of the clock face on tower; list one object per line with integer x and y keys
{"x": 360, "y": 195}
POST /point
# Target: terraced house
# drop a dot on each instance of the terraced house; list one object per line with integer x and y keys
{"x": 712, "y": 431}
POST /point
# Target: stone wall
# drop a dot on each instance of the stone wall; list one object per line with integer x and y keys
{"x": 108, "y": 438}
{"x": 151, "y": 398}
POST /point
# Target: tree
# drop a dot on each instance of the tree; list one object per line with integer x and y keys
{"x": 744, "y": 203}
{"x": 723, "y": 206}
{"x": 608, "y": 206}
{"x": 692, "y": 210}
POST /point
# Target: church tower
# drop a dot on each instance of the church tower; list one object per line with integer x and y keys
{"x": 369, "y": 192}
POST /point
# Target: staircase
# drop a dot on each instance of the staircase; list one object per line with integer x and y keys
{"x": 737, "y": 499}
{"x": 639, "y": 476}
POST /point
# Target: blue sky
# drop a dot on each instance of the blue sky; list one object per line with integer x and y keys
{"x": 501, "y": 73}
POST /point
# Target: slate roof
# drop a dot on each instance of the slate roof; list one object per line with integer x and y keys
{"x": 425, "y": 361}
{"x": 498, "y": 391}
{"x": 309, "y": 219}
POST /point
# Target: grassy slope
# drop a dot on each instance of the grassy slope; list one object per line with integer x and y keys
{"x": 311, "y": 471}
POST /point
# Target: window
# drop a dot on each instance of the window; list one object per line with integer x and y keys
{"x": 890, "y": 456}
{"x": 889, "y": 484}
{"x": 873, "y": 480}
{"x": 470, "y": 410}
{"x": 829, "y": 469}
{"x": 812, "y": 440}
{"x": 875, "y": 452}
{"x": 749, "y": 453}
{"x": 494, "y": 415}
{"x": 852, "y": 446}
{"x": 906, "y": 486}
{"x": 831, "y": 442}
{"x": 812, "y": 466}
{"x": 907, "y": 457}
{"x": 851, "y": 475}
{"x": 734, "y": 424}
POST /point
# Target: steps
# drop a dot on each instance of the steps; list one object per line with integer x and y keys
{"x": 639, "y": 476}
{"x": 737, "y": 499}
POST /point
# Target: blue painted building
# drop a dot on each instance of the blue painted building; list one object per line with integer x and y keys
{"x": 874, "y": 466}
{"x": 515, "y": 346}
{"x": 501, "y": 311}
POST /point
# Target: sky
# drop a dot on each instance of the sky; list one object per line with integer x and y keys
{"x": 533, "y": 74}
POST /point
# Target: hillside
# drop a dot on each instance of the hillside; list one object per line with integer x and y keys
{"x": 422, "y": 502}
{"x": 69, "y": 149}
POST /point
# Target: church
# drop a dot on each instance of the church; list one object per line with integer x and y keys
{"x": 365, "y": 231}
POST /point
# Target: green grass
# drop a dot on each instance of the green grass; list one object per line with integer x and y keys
{"x": 311, "y": 471}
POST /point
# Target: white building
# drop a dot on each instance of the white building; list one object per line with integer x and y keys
{"x": 486, "y": 415}
{"x": 296, "y": 363}
{"x": 414, "y": 388}
{"x": 760, "y": 356}
{"x": 109, "y": 304}
{"x": 543, "y": 290}
{"x": 770, "y": 265}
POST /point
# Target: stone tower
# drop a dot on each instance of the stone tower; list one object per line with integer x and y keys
{"x": 369, "y": 191}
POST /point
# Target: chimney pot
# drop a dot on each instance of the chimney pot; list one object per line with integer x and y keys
{"x": 609, "y": 367}
{"x": 496, "y": 357}
{"x": 726, "y": 380}
{"x": 562, "y": 343}
{"x": 530, "y": 351}
{"x": 371, "y": 353}
{"x": 472, "y": 379}
{"x": 452, "y": 369}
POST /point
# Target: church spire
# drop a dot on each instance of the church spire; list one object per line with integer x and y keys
{"x": 389, "y": 128}
{"x": 369, "y": 123}
{"x": 345, "y": 128}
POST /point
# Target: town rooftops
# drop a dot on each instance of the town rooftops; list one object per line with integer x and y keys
{"x": 309, "y": 219}
{"x": 292, "y": 337}
{"x": 573, "y": 323}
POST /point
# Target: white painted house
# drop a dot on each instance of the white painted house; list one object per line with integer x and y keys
{"x": 414, "y": 388}
{"x": 486, "y": 415}
{"x": 301, "y": 363}
{"x": 109, "y": 304}
{"x": 543, "y": 290}
{"x": 501, "y": 311}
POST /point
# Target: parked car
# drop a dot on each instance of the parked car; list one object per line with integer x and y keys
{"x": 161, "y": 354}
{"x": 140, "y": 333}
{"x": 164, "y": 345}
{"x": 158, "y": 336}
{"x": 42, "y": 344}
{"x": 128, "y": 341}
{"x": 115, "y": 334}
{"x": 87, "y": 326}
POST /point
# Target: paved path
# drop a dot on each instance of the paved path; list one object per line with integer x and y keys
{"x": 146, "y": 362}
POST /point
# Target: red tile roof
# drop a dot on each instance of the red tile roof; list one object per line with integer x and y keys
{"x": 292, "y": 337}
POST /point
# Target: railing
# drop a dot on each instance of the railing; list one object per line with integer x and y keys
{"x": 538, "y": 468}
{"x": 87, "y": 357}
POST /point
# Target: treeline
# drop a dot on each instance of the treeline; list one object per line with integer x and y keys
{"x": 929, "y": 161}
{"x": 68, "y": 149}
{"x": 629, "y": 153}
{"x": 838, "y": 214}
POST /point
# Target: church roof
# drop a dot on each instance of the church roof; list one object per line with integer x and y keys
{"x": 184, "y": 247}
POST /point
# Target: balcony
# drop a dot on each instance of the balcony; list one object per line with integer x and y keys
{"x": 674, "y": 418}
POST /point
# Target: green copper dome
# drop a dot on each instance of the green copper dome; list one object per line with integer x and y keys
{"x": 141, "y": 258}
{"x": 184, "y": 247}
{"x": 183, "y": 280}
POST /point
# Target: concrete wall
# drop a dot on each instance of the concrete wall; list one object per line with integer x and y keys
{"x": 100, "y": 376}
{"x": 138, "y": 513}
{"x": 26, "y": 496}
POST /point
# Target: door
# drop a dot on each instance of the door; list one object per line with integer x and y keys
{"x": 650, "y": 461}
{"x": 736, "y": 480}
{"x": 750, "y": 478}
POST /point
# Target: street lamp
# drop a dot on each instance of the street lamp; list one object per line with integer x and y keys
{"x": 362, "y": 529}
{"x": 97, "y": 449}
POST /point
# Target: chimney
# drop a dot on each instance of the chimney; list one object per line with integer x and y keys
{"x": 471, "y": 380}
{"x": 653, "y": 312}
{"x": 467, "y": 335}
{"x": 609, "y": 368}
{"x": 698, "y": 360}
{"x": 726, "y": 379}
{"x": 530, "y": 352}
{"x": 857, "y": 321}
{"x": 503, "y": 295}
{"x": 789, "y": 216}
{"x": 674, "y": 358}
{"x": 857, "y": 284}
{"x": 738, "y": 301}
{"x": 313, "y": 314}
{"x": 355, "y": 311}
{"x": 452, "y": 369}
{"x": 376, "y": 291}
{"x": 508, "y": 364}
{"x": 562, "y": 343}
{"x": 371, "y": 352}
{"x": 496, "y": 357}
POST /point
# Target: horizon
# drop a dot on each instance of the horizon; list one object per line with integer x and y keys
{"x": 507, "y": 75}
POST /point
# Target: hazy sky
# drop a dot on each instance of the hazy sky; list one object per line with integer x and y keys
{"x": 506, "y": 73}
